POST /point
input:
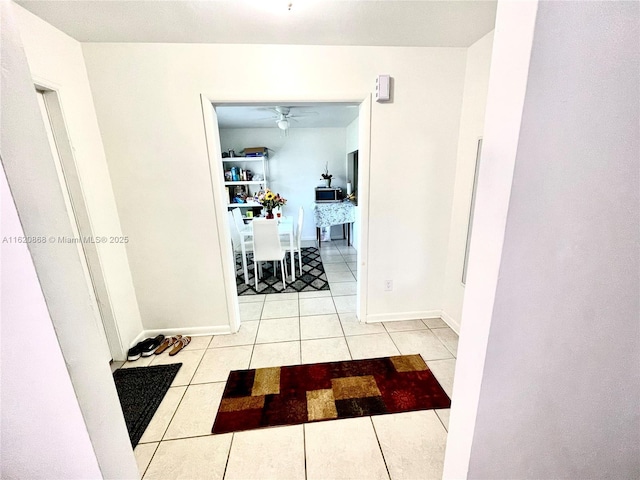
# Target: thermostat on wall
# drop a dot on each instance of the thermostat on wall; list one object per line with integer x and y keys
{"x": 382, "y": 88}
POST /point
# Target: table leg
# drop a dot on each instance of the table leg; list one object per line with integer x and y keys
{"x": 319, "y": 237}
{"x": 349, "y": 234}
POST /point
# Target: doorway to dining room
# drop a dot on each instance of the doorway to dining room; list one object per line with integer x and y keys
{"x": 326, "y": 288}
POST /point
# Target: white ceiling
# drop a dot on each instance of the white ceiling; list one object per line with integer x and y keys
{"x": 429, "y": 23}
{"x": 303, "y": 116}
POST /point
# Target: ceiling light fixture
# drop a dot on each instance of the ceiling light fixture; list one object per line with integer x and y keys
{"x": 283, "y": 123}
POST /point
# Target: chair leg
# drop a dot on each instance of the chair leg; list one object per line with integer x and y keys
{"x": 300, "y": 260}
{"x": 282, "y": 270}
{"x": 255, "y": 271}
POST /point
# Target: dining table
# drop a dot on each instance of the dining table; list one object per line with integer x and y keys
{"x": 285, "y": 228}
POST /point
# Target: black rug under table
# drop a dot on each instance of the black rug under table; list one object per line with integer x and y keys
{"x": 141, "y": 390}
{"x": 313, "y": 276}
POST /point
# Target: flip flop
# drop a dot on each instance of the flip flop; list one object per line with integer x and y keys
{"x": 179, "y": 345}
{"x": 167, "y": 343}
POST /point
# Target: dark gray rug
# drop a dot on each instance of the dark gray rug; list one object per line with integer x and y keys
{"x": 313, "y": 276}
{"x": 141, "y": 390}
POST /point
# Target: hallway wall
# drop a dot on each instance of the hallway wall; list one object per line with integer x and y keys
{"x": 150, "y": 116}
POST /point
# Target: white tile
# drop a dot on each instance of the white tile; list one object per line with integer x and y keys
{"x": 246, "y": 335}
{"x": 423, "y": 342}
{"x": 344, "y": 250}
{"x": 141, "y": 362}
{"x": 434, "y": 322}
{"x": 336, "y": 267}
{"x": 268, "y": 453}
{"x": 343, "y": 288}
{"x": 444, "y": 370}
{"x": 275, "y": 354}
{"x": 320, "y": 326}
{"x": 160, "y": 421}
{"x": 403, "y": 325}
{"x": 335, "y": 277}
{"x": 143, "y": 454}
{"x": 281, "y": 309}
{"x": 314, "y": 294}
{"x": 413, "y": 444}
{"x": 317, "y": 306}
{"x": 350, "y": 258}
{"x": 197, "y": 411}
{"x": 251, "y": 298}
{"x": 343, "y": 449}
{"x": 190, "y": 361}
{"x": 352, "y": 326}
{"x": 448, "y": 337}
{"x": 218, "y": 362}
{"x": 276, "y": 297}
{"x": 190, "y": 458}
{"x": 353, "y": 266}
{"x": 345, "y": 304}
{"x": 325, "y": 350}
{"x": 250, "y": 311}
{"x": 278, "y": 330}
{"x": 371, "y": 346}
{"x": 198, "y": 343}
{"x": 331, "y": 258}
{"x": 115, "y": 365}
{"x": 443, "y": 414}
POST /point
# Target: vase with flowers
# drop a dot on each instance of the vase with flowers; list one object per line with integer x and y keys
{"x": 269, "y": 201}
{"x": 326, "y": 176}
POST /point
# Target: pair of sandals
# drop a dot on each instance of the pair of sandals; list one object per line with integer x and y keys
{"x": 157, "y": 345}
{"x": 178, "y": 342}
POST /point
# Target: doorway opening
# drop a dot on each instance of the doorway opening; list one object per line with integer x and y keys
{"x": 297, "y": 160}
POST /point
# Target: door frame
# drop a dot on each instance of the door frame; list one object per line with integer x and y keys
{"x": 79, "y": 214}
{"x": 214, "y": 152}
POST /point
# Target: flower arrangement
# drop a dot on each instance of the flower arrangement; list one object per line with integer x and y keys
{"x": 326, "y": 175}
{"x": 270, "y": 200}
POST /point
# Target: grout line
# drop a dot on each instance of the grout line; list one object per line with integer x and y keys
{"x": 380, "y": 447}
{"x": 174, "y": 412}
{"x": 304, "y": 449}
{"x": 438, "y": 416}
{"x": 150, "y": 460}
{"x": 233, "y": 435}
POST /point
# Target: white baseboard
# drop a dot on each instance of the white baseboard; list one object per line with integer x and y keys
{"x": 191, "y": 331}
{"x": 396, "y": 317}
{"x": 452, "y": 322}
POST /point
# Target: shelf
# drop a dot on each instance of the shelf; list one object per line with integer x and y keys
{"x": 243, "y": 159}
{"x": 259, "y": 182}
{"x": 246, "y": 205}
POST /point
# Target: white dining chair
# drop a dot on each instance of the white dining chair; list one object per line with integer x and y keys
{"x": 236, "y": 238}
{"x": 237, "y": 218}
{"x": 297, "y": 247}
{"x": 267, "y": 247}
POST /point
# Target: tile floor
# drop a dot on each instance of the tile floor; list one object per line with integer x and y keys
{"x": 293, "y": 328}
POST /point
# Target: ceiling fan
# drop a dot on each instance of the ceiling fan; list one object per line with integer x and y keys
{"x": 284, "y": 115}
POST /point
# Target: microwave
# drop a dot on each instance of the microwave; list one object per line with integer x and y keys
{"x": 328, "y": 194}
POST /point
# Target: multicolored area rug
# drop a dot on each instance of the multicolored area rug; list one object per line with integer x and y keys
{"x": 313, "y": 277}
{"x": 268, "y": 397}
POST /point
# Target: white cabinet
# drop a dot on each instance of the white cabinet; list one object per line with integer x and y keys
{"x": 244, "y": 177}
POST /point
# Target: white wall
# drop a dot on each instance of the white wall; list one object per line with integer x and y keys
{"x": 39, "y": 407}
{"x": 31, "y": 174}
{"x": 476, "y": 82}
{"x": 56, "y": 59}
{"x": 147, "y": 102}
{"x": 352, "y": 136}
{"x": 558, "y": 394}
{"x": 296, "y": 163}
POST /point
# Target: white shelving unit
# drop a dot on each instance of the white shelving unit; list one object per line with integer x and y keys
{"x": 257, "y": 166}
